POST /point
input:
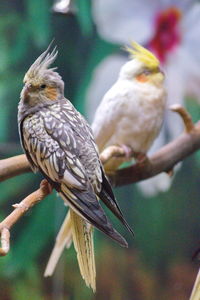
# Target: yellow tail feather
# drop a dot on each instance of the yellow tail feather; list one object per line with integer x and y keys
{"x": 82, "y": 233}
{"x": 196, "y": 289}
{"x": 64, "y": 238}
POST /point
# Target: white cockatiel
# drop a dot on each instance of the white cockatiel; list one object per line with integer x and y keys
{"x": 132, "y": 111}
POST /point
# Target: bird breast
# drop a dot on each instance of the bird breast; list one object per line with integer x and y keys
{"x": 140, "y": 108}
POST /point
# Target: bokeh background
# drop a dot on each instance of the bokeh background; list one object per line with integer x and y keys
{"x": 89, "y": 35}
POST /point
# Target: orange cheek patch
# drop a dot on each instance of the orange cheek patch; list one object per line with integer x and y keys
{"x": 142, "y": 78}
{"x": 51, "y": 93}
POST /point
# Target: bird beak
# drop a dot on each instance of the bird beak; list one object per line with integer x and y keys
{"x": 27, "y": 89}
{"x": 161, "y": 71}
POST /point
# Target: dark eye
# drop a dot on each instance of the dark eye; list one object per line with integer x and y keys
{"x": 147, "y": 72}
{"x": 43, "y": 86}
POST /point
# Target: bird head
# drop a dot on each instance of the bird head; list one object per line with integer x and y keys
{"x": 143, "y": 67}
{"x": 41, "y": 83}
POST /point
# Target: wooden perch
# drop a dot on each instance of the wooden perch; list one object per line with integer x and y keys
{"x": 162, "y": 161}
{"x": 167, "y": 157}
{"x": 19, "y": 211}
{"x": 13, "y": 166}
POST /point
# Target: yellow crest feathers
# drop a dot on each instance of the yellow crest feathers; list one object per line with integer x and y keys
{"x": 143, "y": 55}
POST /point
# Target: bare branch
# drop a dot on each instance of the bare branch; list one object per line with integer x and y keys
{"x": 13, "y": 166}
{"x": 162, "y": 161}
{"x": 19, "y": 211}
{"x": 167, "y": 157}
{"x": 189, "y": 125}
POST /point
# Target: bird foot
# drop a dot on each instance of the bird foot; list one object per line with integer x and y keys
{"x": 170, "y": 172}
{"x": 141, "y": 158}
{"x": 46, "y": 186}
{"x": 127, "y": 151}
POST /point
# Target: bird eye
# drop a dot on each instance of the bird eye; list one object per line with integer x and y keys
{"x": 43, "y": 86}
{"x": 147, "y": 72}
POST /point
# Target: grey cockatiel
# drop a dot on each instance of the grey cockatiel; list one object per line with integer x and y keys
{"x": 59, "y": 143}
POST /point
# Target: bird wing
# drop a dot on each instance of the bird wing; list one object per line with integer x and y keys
{"x": 108, "y": 116}
{"x": 63, "y": 151}
{"x": 103, "y": 125}
{"x": 112, "y": 114}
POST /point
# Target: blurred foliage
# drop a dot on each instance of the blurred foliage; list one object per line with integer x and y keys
{"x": 158, "y": 263}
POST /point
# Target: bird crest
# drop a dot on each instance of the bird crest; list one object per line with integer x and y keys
{"x": 143, "y": 55}
{"x": 41, "y": 64}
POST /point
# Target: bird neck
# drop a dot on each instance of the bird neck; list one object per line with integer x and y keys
{"x": 25, "y": 109}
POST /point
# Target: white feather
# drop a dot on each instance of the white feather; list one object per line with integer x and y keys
{"x": 64, "y": 238}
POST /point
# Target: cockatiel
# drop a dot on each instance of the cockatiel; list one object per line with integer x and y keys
{"x": 59, "y": 143}
{"x": 131, "y": 113}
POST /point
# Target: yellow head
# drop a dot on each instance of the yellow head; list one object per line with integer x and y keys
{"x": 143, "y": 67}
{"x": 143, "y": 55}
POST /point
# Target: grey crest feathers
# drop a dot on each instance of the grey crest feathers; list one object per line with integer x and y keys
{"x": 40, "y": 68}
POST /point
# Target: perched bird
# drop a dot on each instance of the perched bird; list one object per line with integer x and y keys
{"x": 132, "y": 111}
{"x": 59, "y": 143}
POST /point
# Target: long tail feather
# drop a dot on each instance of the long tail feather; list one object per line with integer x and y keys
{"x": 196, "y": 289}
{"x": 82, "y": 233}
{"x": 64, "y": 238}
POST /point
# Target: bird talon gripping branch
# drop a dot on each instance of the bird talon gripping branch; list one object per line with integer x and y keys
{"x": 59, "y": 143}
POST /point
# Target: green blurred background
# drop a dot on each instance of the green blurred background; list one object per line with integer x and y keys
{"x": 158, "y": 263}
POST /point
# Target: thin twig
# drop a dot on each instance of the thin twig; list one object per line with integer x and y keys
{"x": 187, "y": 120}
{"x": 13, "y": 166}
{"x": 19, "y": 211}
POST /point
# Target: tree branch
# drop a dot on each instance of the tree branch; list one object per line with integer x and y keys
{"x": 19, "y": 211}
{"x": 13, "y": 166}
{"x": 162, "y": 161}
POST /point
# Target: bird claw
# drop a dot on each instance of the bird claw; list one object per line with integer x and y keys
{"x": 141, "y": 158}
{"x": 170, "y": 172}
{"x": 46, "y": 186}
{"x": 128, "y": 152}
